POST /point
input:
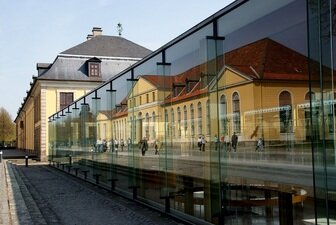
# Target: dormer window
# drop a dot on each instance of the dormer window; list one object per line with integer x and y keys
{"x": 94, "y": 70}
{"x": 177, "y": 88}
{"x": 94, "y": 67}
{"x": 190, "y": 84}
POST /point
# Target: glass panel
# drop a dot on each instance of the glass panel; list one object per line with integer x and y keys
{"x": 221, "y": 124}
{"x": 117, "y": 100}
{"x": 52, "y": 138}
{"x": 149, "y": 67}
{"x": 264, "y": 80}
{"x": 322, "y": 99}
{"x": 189, "y": 53}
{"x": 77, "y": 151}
{"x": 135, "y": 128}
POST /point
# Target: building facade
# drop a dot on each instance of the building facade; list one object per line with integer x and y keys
{"x": 74, "y": 73}
{"x": 230, "y": 123}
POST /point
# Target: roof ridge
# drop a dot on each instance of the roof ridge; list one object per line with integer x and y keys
{"x": 107, "y": 45}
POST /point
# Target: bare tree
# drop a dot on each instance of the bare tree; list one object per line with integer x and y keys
{"x": 7, "y": 127}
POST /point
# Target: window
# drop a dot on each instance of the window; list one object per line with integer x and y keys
{"x": 153, "y": 126}
{"x": 37, "y": 135}
{"x": 66, "y": 98}
{"x": 147, "y": 126}
{"x": 37, "y": 108}
{"x": 172, "y": 122}
{"x": 185, "y": 120}
{"x": 125, "y": 128}
{"x": 114, "y": 130}
{"x": 153, "y": 94}
{"x": 207, "y": 118}
{"x": 223, "y": 115}
{"x": 236, "y": 112}
{"x": 94, "y": 69}
{"x": 199, "y": 118}
{"x": 167, "y": 124}
{"x": 285, "y": 112}
{"x": 331, "y": 110}
{"x": 179, "y": 121}
{"x": 147, "y": 98}
{"x": 307, "y": 112}
{"x": 140, "y": 102}
{"x": 192, "y": 122}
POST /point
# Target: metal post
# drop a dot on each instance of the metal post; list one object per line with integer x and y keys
{"x": 26, "y": 157}
{"x": 167, "y": 204}
{"x": 0, "y": 156}
{"x": 70, "y": 160}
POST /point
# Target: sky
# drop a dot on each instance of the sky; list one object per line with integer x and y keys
{"x": 35, "y": 31}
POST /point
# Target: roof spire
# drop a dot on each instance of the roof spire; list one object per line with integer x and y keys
{"x": 119, "y": 28}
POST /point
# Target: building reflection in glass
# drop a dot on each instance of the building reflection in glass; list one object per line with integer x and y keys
{"x": 230, "y": 128}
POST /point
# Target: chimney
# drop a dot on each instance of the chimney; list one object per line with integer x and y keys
{"x": 89, "y": 37}
{"x": 96, "y": 31}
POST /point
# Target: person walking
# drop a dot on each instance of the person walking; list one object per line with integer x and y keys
{"x": 234, "y": 141}
{"x": 216, "y": 142}
{"x": 199, "y": 143}
{"x": 122, "y": 144}
{"x": 144, "y": 146}
{"x": 203, "y": 141}
{"x": 260, "y": 145}
{"x": 155, "y": 143}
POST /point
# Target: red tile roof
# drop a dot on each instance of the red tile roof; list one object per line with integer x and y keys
{"x": 159, "y": 81}
{"x": 264, "y": 59}
{"x": 270, "y": 60}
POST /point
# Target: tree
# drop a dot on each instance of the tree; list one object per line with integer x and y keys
{"x": 7, "y": 127}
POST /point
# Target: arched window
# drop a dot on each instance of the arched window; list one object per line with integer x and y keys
{"x": 236, "y": 112}
{"x": 113, "y": 130}
{"x": 179, "y": 121}
{"x": 185, "y": 120}
{"x": 223, "y": 115}
{"x": 147, "y": 125}
{"x": 199, "y": 118}
{"x": 130, "y": 127}
{"x": 125, "y": 132}
{"x": 192, "y": 122}
{"x": 167, "y": 124}
{"x": 136, "y": 127}
{"x": 285, "y": 112}
{"x": 207, "y": 118}
{"x": 153, "y": 125}
{"x": 117, "y": 130}
{"x": 172, "y": 118}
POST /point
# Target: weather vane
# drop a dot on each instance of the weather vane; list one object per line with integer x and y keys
{"x": 119, "y": 28}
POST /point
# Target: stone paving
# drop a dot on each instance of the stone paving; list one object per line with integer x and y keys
{"x": 39, "y": 194}
{"x": 4, "y": 202}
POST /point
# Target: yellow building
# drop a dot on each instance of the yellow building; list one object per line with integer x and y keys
{"x": 247, "y": 91}
{"x": 73, "y": 74}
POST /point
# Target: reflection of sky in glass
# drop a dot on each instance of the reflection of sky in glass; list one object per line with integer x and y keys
{"x": 102, "y": 93}
{"x": 149, "y": 67}
{"x": 189, "y": 52}
{"x": 286, "y": 24}
{"x": 120, "y": 84}
{"x": 88, "y": 100}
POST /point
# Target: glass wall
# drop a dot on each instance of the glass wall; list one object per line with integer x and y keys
{"x": 230, "y": 123}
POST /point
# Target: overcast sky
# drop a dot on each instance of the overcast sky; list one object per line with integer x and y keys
{"x": 33, "y": 31}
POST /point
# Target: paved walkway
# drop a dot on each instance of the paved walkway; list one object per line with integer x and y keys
{"x": 4, "y": 203}
{"x": 39, "y": 194}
